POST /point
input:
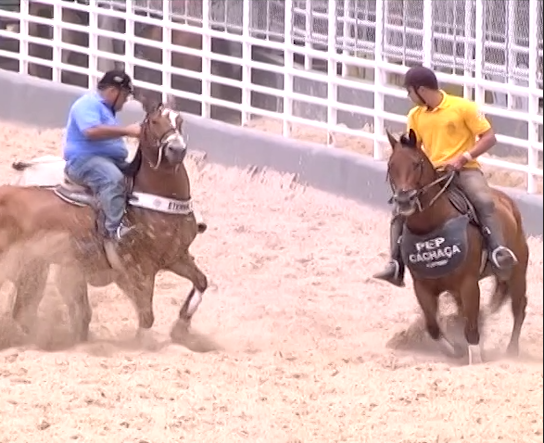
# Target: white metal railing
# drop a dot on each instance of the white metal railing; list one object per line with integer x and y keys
{"x": 340, "y": 42}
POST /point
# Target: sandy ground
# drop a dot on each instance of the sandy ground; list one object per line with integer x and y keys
{"x": 306, "y": 339}
{"x": 496, "y": 176}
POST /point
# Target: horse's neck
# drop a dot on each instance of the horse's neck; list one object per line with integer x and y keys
{"x": 163, "y": 183}
{"x": 433, "y": 216}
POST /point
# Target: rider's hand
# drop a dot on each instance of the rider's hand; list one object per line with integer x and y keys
{"x": 457, "y": 163}
{"x": 133, "y": 130}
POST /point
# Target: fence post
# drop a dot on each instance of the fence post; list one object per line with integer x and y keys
{"x": 288, "y": 56}
{"x": 534, "y": 94}
{"x": 166, "y": 51}
{"x": 379, "y": 78}
{"x": 23, "y": 32}
{"x": 246, "y": 61}
{"x": 105, "y": 44}
{"x": 206, "y": 61}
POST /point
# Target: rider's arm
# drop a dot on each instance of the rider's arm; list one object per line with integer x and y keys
{"x": 103, "y": 132}
{"x": 480, "y": 127}
{"x": 89, "y": 122}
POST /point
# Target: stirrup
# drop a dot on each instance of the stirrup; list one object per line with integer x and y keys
{"x": 396, "y": 265}
{"x": 497, "y": 250}
{"x": 122, "y": 232}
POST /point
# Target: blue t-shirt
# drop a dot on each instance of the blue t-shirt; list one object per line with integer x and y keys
{"x": 89, "y": 111}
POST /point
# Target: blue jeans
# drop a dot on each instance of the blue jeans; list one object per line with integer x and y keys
{"x": 105, "y": 179}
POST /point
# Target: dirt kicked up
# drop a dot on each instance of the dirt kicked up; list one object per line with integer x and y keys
{"x": 310, "y": 349}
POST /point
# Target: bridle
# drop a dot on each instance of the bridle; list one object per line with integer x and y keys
{"x": 161, "y": 142}
{"x": 416, "y": 194}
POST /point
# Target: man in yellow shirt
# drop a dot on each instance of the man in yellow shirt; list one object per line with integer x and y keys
{"x": 453, "y": 132}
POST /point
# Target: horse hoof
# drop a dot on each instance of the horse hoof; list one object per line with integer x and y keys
{"x": 82, "y": 338}
{"x": 474, "y": 355}
{"x": 459, "y": 351}
{"x": 194, "y": 341}
{"x": 452, "y": 350}
{"x": 512, "y": 350}
{"x": 179, "y": 331}
{"x": 146, "y": 339}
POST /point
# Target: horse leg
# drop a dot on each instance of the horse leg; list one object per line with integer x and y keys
{"x": 187, "y": 268}
{"x": 518, "y": 294}
{"x": 428, "y": 301}
{"x": 29, "y": 291}
{"x": 72, "y": 286}
{"x": 140, "y": 290}
{"x": 470, "y": 303}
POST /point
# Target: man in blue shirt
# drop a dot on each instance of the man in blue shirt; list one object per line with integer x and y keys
{"x": 94, "y": 149}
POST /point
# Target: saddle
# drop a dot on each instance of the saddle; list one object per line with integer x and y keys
{"x": 460, "y": 201}
{"x": 77, "y": 194}
{"x": 70, "y": 185}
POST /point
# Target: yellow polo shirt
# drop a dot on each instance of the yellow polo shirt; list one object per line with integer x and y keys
{"x": 448, "y": 130}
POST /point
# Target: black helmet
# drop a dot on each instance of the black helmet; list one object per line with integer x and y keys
{"x": 117, "y": 78}
{"x": 419, "y": 76}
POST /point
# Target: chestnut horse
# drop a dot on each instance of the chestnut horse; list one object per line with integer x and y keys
{"x": 444, "y": 249}
{"x": 159, "y": 206}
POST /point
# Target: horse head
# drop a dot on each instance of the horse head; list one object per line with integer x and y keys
{"x": 412, "y": 175}
{"x": 162, "y": 136}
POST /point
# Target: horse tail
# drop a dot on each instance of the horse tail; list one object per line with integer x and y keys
{"x": 501, "y": 294}
{"x": 20, "y": 166}
{"x": 44, "y": 159}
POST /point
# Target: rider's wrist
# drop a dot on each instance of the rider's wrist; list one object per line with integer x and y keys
{"x": 468, "y": 156}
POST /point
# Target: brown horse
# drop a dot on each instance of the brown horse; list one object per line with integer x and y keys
{"x": 444, "y": 249}
{"x": 159, "y": 206}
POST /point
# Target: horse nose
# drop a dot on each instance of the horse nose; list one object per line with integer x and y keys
{"x": 176, "y": 151}
{"x": 405, "y": 196}
{"x": 179, "y": 143}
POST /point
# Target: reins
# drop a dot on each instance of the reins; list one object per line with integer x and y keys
{"x": 448, "y": 178}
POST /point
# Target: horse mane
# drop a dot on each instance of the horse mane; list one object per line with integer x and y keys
{"x": 134, "y": 166}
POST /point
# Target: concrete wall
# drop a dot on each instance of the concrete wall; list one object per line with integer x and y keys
{"x": 42, "y": 103}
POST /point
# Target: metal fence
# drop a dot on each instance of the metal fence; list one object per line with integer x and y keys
{"x": 506, "y": 29}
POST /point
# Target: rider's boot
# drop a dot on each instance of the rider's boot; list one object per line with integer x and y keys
{"x": 394, "y": 270}
{"x": 112, "y": 244}
{"x": 501, "y": 257}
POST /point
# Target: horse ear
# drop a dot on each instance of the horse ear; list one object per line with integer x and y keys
{"x": 171, "y": 101}
{"x": 392, "y": 140}
{"x": 146, "y": 103}
{"x": 413, "y": 138}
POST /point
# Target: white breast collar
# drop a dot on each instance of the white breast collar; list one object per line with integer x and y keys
{"x": 160, "y": 204}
